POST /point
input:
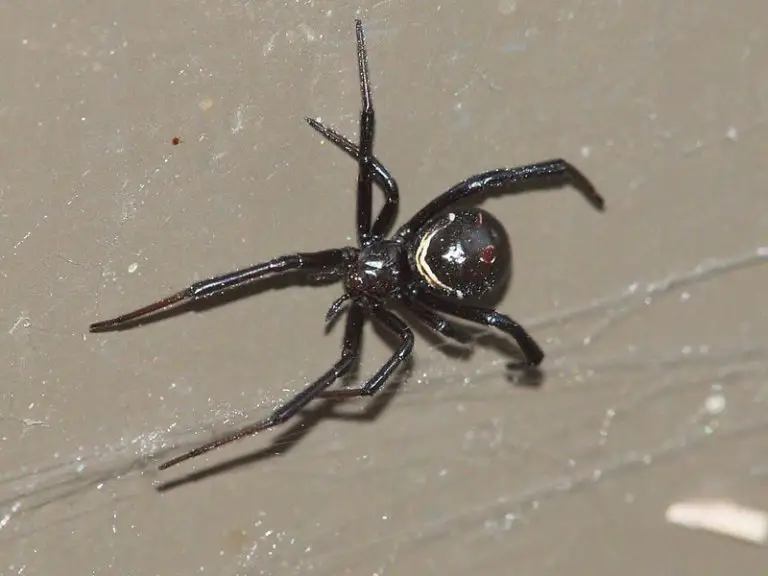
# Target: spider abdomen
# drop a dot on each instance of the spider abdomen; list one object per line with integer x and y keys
{"x": 463, "y": 255}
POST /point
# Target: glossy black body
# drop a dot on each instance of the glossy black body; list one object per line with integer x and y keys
{"x": 379, "y": 271}
{"x": 444, "y": 261}
{"x": 463, "y": 256}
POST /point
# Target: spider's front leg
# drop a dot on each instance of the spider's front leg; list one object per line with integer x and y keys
{"x": 322, "y": 262}
{"x": 350, "y": 353}
{"x": 367, "y": 128}
{"x": 380, "y": 175}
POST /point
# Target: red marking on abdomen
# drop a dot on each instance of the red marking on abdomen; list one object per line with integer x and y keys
{"x": 488, "y": 255}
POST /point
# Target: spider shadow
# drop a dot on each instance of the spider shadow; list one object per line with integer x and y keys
{"x": 303, "y": 423}
{"x": 326, "y": 408}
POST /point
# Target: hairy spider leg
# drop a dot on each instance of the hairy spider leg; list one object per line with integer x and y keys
{"x": 350, "y": 353}
{"x": 367, "y": 125}
{"x": 374, "y": 384}
{"x": 380, "y": 175}
{"x": 487, "y": 317}
{"x": 550, "y": 174}
{"x": 323, "y": 261}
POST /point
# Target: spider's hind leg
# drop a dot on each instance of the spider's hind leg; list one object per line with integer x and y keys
{"x": 487, "y": 317}
{"x": 550, "y": 174}
{"x": 438, "y": 323}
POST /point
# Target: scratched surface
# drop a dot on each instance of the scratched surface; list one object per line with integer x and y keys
{"x": 144, "y": 147}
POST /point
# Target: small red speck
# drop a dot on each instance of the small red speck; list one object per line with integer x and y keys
{"x": 176, "y": 141}
{"x": 488, "y": 255}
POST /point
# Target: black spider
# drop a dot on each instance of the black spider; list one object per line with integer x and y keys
{"x": 444, "y": 260}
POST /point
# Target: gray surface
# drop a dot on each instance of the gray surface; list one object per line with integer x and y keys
{"x": 662, "y": 105}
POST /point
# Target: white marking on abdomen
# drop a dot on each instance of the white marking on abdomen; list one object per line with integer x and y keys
{"x": 423, "y": 266}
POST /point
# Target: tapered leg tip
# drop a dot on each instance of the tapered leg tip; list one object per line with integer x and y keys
{"x": 99, "y": 327}
{"x": 598, "y": 202}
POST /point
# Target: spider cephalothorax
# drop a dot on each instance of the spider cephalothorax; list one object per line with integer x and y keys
{"x": 444, "y": 261}
{"x": 379, "y": 271}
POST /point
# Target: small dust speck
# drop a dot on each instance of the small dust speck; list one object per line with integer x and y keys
{"x": 732, "y": 134}
{"x": 715, "y": 404}
{"x": 205, "y": 104}
{"x": 507, "y": 6}
{"x": 586, "y": 151}
{"x": 309, "y": 34}
{"x": 133, "y": 267}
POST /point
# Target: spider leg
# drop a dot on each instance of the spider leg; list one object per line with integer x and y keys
{"x": 396, "y": 325}
{"x": 324, "y": 261}
{"x": 486, "y": 317}
{"x": 380, "y": 175}
{"x": 437, "y": 322}
{"x": 367, "y": 124}
{"x": 550, "y": 174}
{"x": 349, "y": 355}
